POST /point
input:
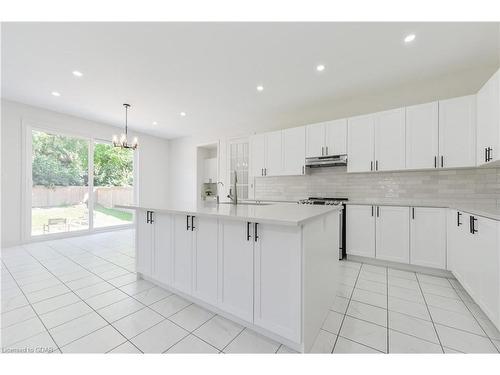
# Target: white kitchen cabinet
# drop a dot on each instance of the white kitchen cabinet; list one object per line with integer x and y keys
{"x": 182, "y": 253}
{"x": 274, "y": 154}
{"x": 162, "y": 269}
{"x": 294, "y": 151}
{"x": 360, "y": 149}
{"x": 457, "y": 132}
{"x": 145, "y": 242}
{"x": 474, "y": 253}
{"x": 422, "y": 136}
{"x": 392, "y": 237}
{"x": 236, "y": 268}
{"x": 315, "y": 140}
{"x": 488, "y": 121}
{"x": 390, "y": 140}
{"x": 336, "y": 137}
{"x": 326, "y": 138}
{"x": 204, "y": 246}
{"x": 360, "y": 230}
{"x": 428, "y": 237}
{"x": 278, "y": 279}
{"x": 257, "y": 155}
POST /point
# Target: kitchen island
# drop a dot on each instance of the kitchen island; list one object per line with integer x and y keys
{"x": 272, "y": 268}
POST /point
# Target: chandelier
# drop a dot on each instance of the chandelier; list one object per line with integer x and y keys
{"x": 123, "y": 142}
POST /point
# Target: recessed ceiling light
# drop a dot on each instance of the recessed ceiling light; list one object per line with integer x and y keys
{"x": 409, "y": 38}
{"x": 55, "y": 93}
{"x": 320, "y": 67}
{"x": 77, "y": 73}
{"x": 260, "y": 88}
{"x": 183, "y": 114}
{"x": 155, "y": 123}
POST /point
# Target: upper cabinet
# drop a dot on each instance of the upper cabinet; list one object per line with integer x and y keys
{"x": 293, "y": 145}
{"x": 457, "y": 132}
{"x": 488, "y": 121}
{"x": 422, "y": 136}
{"x": 361, "y": 143}
{"x": 278, "y": 153}
{"x": 390, "y": 140}
{"x": 326, "y": 138}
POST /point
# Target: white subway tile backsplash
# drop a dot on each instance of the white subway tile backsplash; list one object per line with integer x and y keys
{"x": 474, "y": 185}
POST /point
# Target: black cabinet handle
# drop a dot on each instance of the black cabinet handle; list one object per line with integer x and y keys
{"x": 458, "y": 219}
{"x": 372, "y": 210}
{"x": 442, "y": 161}
{"x": 378, "y": 211}
{"x": 302, "y": 169}
{"x": 187, "y": 222}
{"x": 255, "y": 235}
{"x": 376, "y": 165}
{"x": 435, "y": 161}
{"x": 486, "y": 154}
{"x": 151, "y": 221}
{"x": 413, "y": 213}
{"x": 248, "y": 231}
{"x": 147, "y": 217}
{"x": 192, "y": 223}
{"x": 371, "y": 166}
{"x": 472, "y": 224}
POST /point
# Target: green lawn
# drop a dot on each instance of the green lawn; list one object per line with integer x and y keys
{"x": 122, "y": 215}
{"x": 77, "y": 218}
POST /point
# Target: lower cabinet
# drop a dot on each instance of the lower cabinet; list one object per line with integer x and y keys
{"x": 380, "y": 232}
{"x": 392, "y": 237}
{"x": 163, "y": 249}
{"x": 144, "y": 242}
{"x": 360, "y": 230}
{"x": 278, "y": 280}
{"x": 474, "y": 254}
{"x": 236, "y": 262}
{"x": 182, "y": 253}
{"x": 428, "y": 237}
{"x": 205, "y": 242}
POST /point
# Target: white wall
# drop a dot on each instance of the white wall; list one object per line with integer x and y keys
{"x": 152, "y": 161}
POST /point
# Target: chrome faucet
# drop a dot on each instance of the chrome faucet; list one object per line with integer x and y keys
{"x": 222, "y": 184}
{"x": 234, "y": 196}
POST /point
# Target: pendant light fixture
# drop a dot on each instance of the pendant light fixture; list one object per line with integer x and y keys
{"x": 123, "y": 142}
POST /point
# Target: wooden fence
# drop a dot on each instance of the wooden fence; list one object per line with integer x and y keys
{"x": 71, "y": 195}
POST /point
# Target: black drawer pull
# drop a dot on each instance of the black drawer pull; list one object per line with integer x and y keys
{"x": 255, "y": 235}
{"x": 458, "y": 219}
{"x": 187, "y": 222}
{"x": 248, "y": 231}
{"x": 192, "y": 223}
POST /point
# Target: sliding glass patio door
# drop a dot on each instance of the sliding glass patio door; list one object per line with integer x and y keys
{"x": 75, "y": 182}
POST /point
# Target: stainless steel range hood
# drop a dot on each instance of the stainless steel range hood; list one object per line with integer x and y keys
{"x": 326, "y": 161}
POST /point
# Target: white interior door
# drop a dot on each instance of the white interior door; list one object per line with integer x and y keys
{"x": 393, "y": 234}
{"x": 457, "y": 132}
{"x": 360, "y": 138}
{"x": 336, "y": 137}
{"x": 428, "y": 237}
{"x": 390, "y": 140}
{"x": 422, "y": 136}
{"x": 360, "y": 230}
{"x": 315, "y": 140}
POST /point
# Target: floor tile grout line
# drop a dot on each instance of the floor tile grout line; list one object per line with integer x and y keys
{"x": 75, "y": 302}
{"x": 477, "y": 321}
{"x": 347, "y": 308}
{"x": 359, "y": 343}
{"x": 38, "y": 317}
{"x": 430, "y": 315}
{"x": 234, "y": 338}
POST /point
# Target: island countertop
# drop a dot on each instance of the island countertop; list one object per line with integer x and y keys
{"x": 282, "y": 214}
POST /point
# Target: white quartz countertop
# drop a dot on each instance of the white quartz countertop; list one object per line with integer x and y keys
{"x": 282, "y": 214}
{"x": 488, "y": 211}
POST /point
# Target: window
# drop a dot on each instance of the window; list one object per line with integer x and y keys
{"x": 238, "y": 161}
{"x": 61, "y": 183}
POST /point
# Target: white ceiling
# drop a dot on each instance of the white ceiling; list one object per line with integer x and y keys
{"x": 211, "y": 70}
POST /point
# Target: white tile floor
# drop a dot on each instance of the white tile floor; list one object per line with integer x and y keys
{"x": 81, "y": 295}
